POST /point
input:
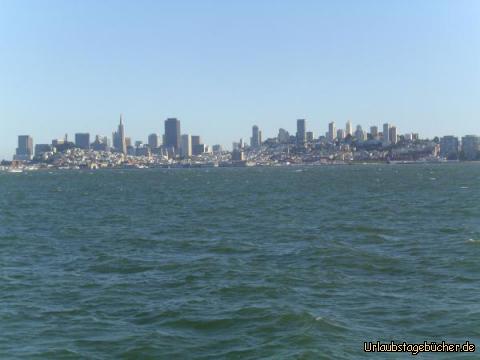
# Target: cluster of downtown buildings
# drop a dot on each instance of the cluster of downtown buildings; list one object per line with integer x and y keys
{"x": 337, "y": 145}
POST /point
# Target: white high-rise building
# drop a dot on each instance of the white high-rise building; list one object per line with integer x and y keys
{"x": 348, "y": 128}
{"x": 186, "y": 146}
{"x": 340, "y": 134}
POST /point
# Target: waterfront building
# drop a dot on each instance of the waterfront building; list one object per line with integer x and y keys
{"x": 24, "y": 150}
{"x": 172, "y": 133}
{"x": 386, "y": 133}
{"x": 332, "y": 132}
{"x": 392, "y": 135}
{"x": 154, "y": 141}
{"x": 374, "y": 132}
{"x": 301, "y": 132}
{"x": 471, "y": 147}
{"x": 237, "y": 155}
{"x": 82, "y": 141}
{"x": 186, "y": 148}
{"x": 255, "y": 140}
{"x": 449, "y": 146}
{"x": 348, "y": 129}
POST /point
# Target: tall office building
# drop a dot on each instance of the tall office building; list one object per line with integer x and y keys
{"x": 348, "y": 129}
{"x": 172, "y": 133}
{"x": 199, "y": 149}
{"x": 449, "y": 146}
{"x": 360, "y": 135}
{"x": 301, "y": 132}
{"x": 119, "y": 138}
{"x": 386, "y": 133}
{"x": 255, "y": 140}
{"x": 82, "y": 141}
{"x": 392, "y": 135}
{"x": 332, "y": 132}
{"x": 24, "y": 150}
{"x": 471, "y": 147}
{"x": 374, "y": 132}
{"x": 310, "y": 136}
{"x": 283, "y": 136}
{"x": 153, "y": 141}
{"x": 340, "y": 134}
{"x": 41, "y": 149}
{"x": 196, "y": 140}
{"x": 186, "y": 148}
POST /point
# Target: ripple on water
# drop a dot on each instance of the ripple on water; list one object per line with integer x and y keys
{"x": 237, "y": 263}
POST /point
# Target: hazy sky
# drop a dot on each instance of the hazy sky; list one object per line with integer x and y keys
{"x": 222, "y": 66}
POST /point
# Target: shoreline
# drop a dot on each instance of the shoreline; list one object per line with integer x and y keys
{"x": 33, "y": 168}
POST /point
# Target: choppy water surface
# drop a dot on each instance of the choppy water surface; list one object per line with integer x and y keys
{"x": 238, "y": 263}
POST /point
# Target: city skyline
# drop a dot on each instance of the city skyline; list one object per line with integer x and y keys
{"x": 221, "y": 68}
{"x": 173, "y": 137}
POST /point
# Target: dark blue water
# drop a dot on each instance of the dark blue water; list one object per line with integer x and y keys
{"x": 238, "y": 263}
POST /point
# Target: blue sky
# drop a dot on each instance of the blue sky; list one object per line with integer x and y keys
{"x": 222, "y": 66}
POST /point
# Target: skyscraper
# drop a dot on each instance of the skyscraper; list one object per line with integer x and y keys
{"x": 471, "y": 147}
{"x": 153, "y": 141}
{"x": 82, "y": 140}
{"x": 392, "y": 134}
{"x": 449, "y": 146}
{"x": 310, "y": 136}
{"x": 172, "y": 133}
{"x": 301, "y": 132}
{"x": 119, "y": 138}
{"x": 348, "y": 129}
{"x": 360, "y": 135}
{"x": 255, "y": 140}
{"x": 374, "y": 132}
{"x": 283, "y": 136}
{"x": 24, "y": 150}
{"x": 386, "y": 133}
{"x": 196, "y": 140}
{"x": 332, "y": 132}
{"x": 186, "y": 148}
